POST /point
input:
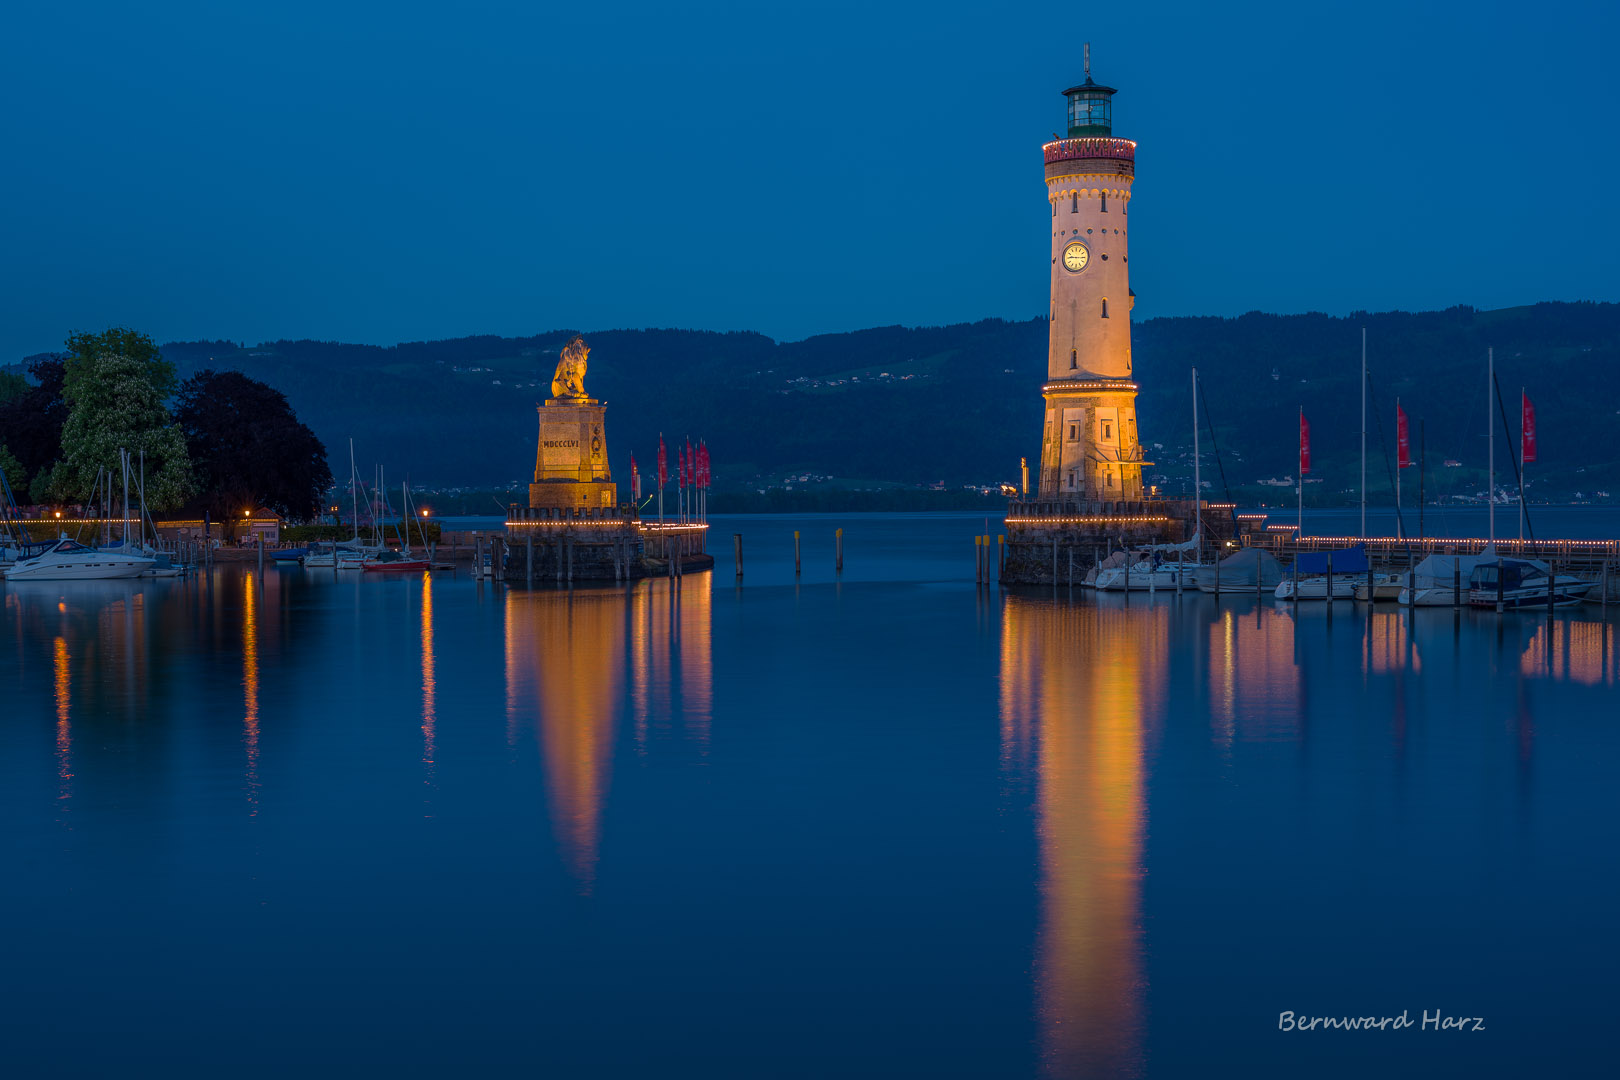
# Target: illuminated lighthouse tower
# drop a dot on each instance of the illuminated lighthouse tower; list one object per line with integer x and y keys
{"x": 1090, "y": 449}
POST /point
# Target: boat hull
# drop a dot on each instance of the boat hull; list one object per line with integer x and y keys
{"x": 1344, "y": 588}
{"x": 1114, "y": 579}
{"x": 84, "y": 571}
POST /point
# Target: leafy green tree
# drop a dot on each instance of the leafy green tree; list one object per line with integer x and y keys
{"x": 16, "y": 478}
{"x": 12, "y": 386}
{"x": 31, "y": 427}
{"x": 116, "y": 385}
{"x": 248, "y": 449}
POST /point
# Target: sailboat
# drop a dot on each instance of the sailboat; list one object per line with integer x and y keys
{"x": 398, "y": 561}
{"x": 346, "y": 554}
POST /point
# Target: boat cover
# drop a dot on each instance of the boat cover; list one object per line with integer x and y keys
{"x": 1437, "y": 570}
{"x": 1350, "y": 560}
{"x": 1239, "y": 570}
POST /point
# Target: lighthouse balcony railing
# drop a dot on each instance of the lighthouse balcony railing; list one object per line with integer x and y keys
{"x": 1090, "y": 147}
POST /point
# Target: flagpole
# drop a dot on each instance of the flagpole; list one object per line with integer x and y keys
{"x": 1490, "y": 439}
{"x": 1521, "y": 466}
{"x": 1363, "y": 432}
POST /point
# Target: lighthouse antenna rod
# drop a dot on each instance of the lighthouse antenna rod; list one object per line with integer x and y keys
{"x": 1088, "y": 59}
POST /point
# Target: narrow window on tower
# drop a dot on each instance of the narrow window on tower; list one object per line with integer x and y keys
{"x": 1105, "y": 307}
{"x": 1104, "y": 199}
{"x": 1108, "y": 431}
{"x": 1074, "y": 432}
{"x": 1054, "y": 208}
{"x": 1074, "y": 203}
{"x": 1074, "y": 359}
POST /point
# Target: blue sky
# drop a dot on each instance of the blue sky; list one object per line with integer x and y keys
{"x": 398, "y": 172}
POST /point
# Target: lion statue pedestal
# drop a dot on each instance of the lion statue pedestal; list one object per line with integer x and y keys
{"x": 570, "y": 464}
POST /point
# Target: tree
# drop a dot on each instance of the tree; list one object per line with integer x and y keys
{"x": 16, "y": 476}
{"x": 116, "y": 384}
{"x": 12, "y": 386}
{"x": 31, "y": 427}
{"x": 249, "y": 449}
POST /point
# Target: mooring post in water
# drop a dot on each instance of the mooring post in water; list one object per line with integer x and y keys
{"x": 261, "y": 556}
{"x": 1054, "y": 562}
{"x": 1001, "y": 557}
{"x": 1071, "y": 566}
{"x": 1294, "y": 599}
{"x": 570, "y": 542}
{"x": 795, "y": 552}
{"x": 1604, "y": 603}
{"x": 528, "y": 554}
{"x": 1552, "y": 573}
{"x": 1456, "y": 582}
{"x": 840, "y": 568}
{"x": 1499, "y": 585}
{"x": 736, "y": 547}
{"x": 1330, "y": 581}
{"x": 978, "y": 559}
{"x": 1369, "y": 582}
{"x": 1217, "y": 580}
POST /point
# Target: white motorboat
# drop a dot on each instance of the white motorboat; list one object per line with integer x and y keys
{"x": 1384, "y": 587}
{"x": 69, "y": 560}
{"x": 1145, "y": 577}
{"x": 1316, "y": 588}
{"x": 1520, "y": 585}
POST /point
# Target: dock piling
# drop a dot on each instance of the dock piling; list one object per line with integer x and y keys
{"x": 736, "y": 545}
{"x": 840, "y": 567}
{"x": 795, "y": 552}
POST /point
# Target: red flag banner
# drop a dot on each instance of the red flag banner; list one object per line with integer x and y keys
{"x": 680, "y": 466}
{"x": 691, "y": 463}
{"x": 1403, "y": 439}
{"x": 703, "y": 464}
{"x": 1529, "y": 429}
{"x": 663, "y": 465}
{"x": 1304, "y": 446}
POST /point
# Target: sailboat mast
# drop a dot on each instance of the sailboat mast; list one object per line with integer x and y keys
{"x": 1398, "y": 529}
{"x": 123, "y": 458}
{"x": 1490, "y": 439}
{"x": 354, "y": 498}
{"x": 1363, "y": 432}
{"x": 1299, "y": 530}
{"x": 1198, "y": 488}
{"x": 1521, "y": 464}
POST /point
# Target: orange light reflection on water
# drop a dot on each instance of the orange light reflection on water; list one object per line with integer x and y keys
{"x": 429, "y": 680}
{"x": 1077, "y": 684}
{"x": 1580, "y": 651}
{"x": 64, "y": 729}
{"x": 250, "y": 685}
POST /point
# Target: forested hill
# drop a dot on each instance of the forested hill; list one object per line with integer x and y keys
{"x": 961, "y": 403}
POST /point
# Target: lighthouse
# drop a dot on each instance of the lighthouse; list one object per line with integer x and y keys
{"x": 1090, "y": 450}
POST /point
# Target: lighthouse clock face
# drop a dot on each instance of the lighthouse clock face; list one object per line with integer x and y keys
{"x": 1075, "y": 257}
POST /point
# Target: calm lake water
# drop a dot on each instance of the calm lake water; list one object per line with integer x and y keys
{"x": 894, "y": 825}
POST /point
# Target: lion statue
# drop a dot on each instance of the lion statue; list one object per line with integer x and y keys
{"x": 569, "y": 382}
